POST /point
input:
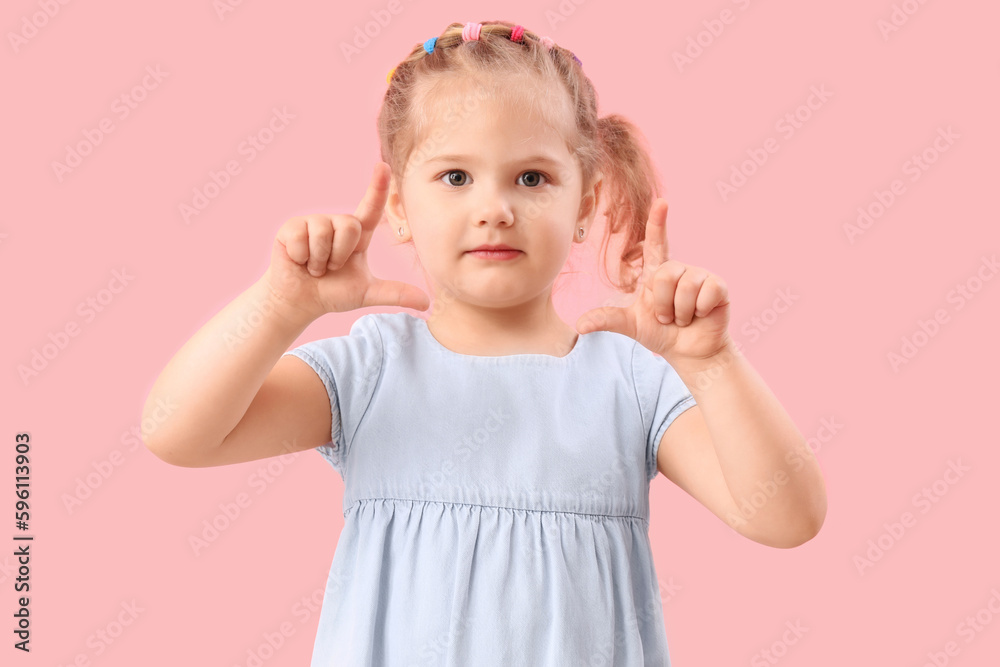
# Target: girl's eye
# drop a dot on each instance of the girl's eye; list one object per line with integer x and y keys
{"x": 537, "y": 173}
{"x": 532, "y": 180}
{"x": 450, "y": 173}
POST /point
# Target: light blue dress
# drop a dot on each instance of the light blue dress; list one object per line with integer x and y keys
{"x": 496, "y": 509}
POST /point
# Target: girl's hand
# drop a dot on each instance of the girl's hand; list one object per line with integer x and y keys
{"x": 319, "y": 262}
{"x": 693, "y": 303}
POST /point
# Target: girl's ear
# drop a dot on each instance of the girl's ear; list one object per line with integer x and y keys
{"x": 589, "y": 202}
{"x": 394, "y": 204}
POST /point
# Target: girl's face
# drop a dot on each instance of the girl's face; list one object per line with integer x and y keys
{"x": 492, "y": 177}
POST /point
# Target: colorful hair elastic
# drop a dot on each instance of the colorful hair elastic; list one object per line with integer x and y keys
{"x": 548, "y": 43}
{"x": 471, "y": 32}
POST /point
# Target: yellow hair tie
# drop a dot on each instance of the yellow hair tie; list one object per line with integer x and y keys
{"x": 389, "y": 75}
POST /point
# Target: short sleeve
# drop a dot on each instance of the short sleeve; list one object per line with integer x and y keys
{"x": 662, "y": 395}
{"x": 349, "y": 367}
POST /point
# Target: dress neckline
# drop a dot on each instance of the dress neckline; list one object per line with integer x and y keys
{"x": 550, "y": 358}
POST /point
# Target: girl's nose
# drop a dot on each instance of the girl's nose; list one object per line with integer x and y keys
{"x": 494, "y": 207}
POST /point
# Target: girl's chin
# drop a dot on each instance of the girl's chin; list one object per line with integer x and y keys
{"x": 493, "y": 294}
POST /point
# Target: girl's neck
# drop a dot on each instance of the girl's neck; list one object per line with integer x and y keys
{"x": 488, "y": 332}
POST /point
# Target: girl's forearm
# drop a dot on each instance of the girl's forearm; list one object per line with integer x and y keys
{"x": 755, "y": 439}
{"x": 205, "y": 389}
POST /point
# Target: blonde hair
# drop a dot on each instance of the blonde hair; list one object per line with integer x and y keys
{"x": 424, "y": 82}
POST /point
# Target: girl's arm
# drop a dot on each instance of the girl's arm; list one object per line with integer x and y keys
{"x": 776, "y": 487}
{"x": 206, "y": 388}
{"x": 737, "y": 445}
{"x": 225, "y": 397}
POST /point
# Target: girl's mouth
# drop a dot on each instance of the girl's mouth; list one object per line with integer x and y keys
{"x": 495, "y": 254}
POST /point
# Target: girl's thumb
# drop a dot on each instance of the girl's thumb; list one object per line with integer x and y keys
{"x": 395, "y": 293}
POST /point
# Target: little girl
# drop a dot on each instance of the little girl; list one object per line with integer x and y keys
{"x": 496, "y": 461}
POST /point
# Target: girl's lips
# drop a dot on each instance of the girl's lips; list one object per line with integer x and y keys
{"x": 495, "y": 254}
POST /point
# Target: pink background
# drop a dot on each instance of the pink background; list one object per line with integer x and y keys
{"x": 826, "y": 356}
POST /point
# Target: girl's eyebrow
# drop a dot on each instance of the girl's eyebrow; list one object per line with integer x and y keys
{"x": 467, "y": 158}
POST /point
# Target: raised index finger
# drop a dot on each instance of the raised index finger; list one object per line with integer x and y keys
{"x": 655, "y": 250}
{"x": 370, "y": 210}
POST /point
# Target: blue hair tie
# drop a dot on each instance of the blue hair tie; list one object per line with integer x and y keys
{"x": 429, "y": 44}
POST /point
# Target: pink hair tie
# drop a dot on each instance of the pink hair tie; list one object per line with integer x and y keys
{"x": 517, "y": 33}
{"x": 471, "y": 31}
{"x": 547, "y": 41}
